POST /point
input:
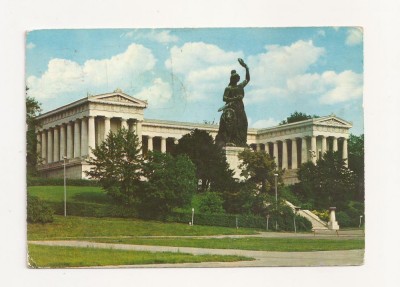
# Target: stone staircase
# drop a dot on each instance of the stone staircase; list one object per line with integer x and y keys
{"x": 317, "y": 223}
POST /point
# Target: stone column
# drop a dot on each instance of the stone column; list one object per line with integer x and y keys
{"x": 107, "y": 127}
{"x": 70, "y": 141}
{"x": 258, "y": 147}
{"x": 84, "y": 137}
{"x": 176, "y": 141}
{"x": 314, "y": 149}
{"x": 294, "y": 154}
{"x": 149, "y": 143}
{"x": 345, "y": 153}
{"x": 77, "y": 139}
{"x": 163, "y": 144}
{"x": 284, "y": 155}
{"x": 49, "y": 146}
{"x": 266, "y": 148}
{"x": 276, "y": 154}
{"x": 323, "y": 148}
{"x": 139, "y": 131}
{"x": 304, "y": 151}
{"x": 44, "y": 146}
{"x": 91, "y": 135}
{"x": 38, "y": 144}
{"x": 131, "y": 126}
{"x": 335, "y": 145}
{"x": 124, "y": 124}
{"x": 62, "y": 142}
{"x": 56, "y": 148}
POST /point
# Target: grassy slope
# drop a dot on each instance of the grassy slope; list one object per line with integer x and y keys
{"x": 58, "y": 257}
{"x": 75, "y": 227}
{"x": 74, "y": 193}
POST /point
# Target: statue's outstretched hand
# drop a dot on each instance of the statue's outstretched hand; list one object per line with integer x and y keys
{"x": 242, "y": 63}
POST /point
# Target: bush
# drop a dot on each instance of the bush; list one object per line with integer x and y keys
{"x": 343, "y": 219}
{"x": 39, "y": 181}
{"x": 322, "y": 214}
{"x": 211, "y": 202}
{"x": 38, "y": 211}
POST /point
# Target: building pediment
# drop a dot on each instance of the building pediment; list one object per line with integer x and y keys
{"x": 118, "y": 98}
{"x": 332, "y": 121}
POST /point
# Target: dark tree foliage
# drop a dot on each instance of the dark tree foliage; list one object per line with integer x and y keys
{"x": 356, "y": 162}
{"x": 328, "y": 183}
{"x": 244, "y": 198}
{"x": 171, "y": 183}
{"x": 32, "y": 111}
{"x": 259, "y": 168}
{"x": 297, "y": 117}
{"x": 117, "y": 165}
{"x": 210, "y": 161}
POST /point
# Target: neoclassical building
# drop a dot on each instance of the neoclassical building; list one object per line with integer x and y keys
{"x": 66, "y": 133}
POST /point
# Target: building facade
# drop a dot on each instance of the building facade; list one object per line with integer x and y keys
{"x": 67, "y": 133}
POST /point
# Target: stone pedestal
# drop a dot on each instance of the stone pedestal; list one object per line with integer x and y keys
{"x": 232, "y": 153}
{"x": 332, "y": 224}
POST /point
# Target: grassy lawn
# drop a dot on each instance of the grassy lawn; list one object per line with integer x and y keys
{"x": 250, "y": 243}
{"x": 75, "y": 227}
{"x": 74, "y": 194}
{"x": 59, "y": 257}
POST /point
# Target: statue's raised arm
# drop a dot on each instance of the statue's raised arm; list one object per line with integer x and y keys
{"x": 244, "y": 65}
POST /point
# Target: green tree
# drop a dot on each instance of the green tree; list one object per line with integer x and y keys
{"x": 117, "y": 165}
{"x": 171, "y": 183}
{"x": 211, "y": 202}
{"x": 259, "y": 168}
{"x": 210, "y": 161}
{"x": 328, "y": 183}
{"x": 356, "y": 163}
{"x": 297, "y": 117}
{"x": 32, "y": 111}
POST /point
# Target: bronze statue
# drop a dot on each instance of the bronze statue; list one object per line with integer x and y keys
{"x": 233, "y": 123}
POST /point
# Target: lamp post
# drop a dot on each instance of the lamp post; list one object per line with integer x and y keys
{"x": 276, "y": 199}
{"x": 65, "y": 190}
{"x": 192, "y": 215}
{"x": 296, "y": 209}
{"x": 360, "y": 221}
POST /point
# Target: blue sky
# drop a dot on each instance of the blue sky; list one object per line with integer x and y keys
{"x": 182, "y": 73}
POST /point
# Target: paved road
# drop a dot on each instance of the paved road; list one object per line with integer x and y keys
{"x": 262, "y": 258}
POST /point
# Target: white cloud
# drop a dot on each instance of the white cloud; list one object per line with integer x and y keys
{"x": 265, "y": 123}
{"x": 203, "y": 68}
{"x": 271, "y": 71}
{"x": 64, "y": 77}
{"x": 330, "y": 87}
{"x": 354, "y": 36}
{"x": 345, "y": 86}
{"x": 30, "y": 46}
{"x": 160, "y": 36}
{"x": 157, "y": 94}
{"x": 283, "y": 72}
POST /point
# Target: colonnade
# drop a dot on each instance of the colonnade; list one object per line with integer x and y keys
{"x": 74, "y": 139}
{"x": 163, "y": 140}
{"x": 291, "y": 153}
